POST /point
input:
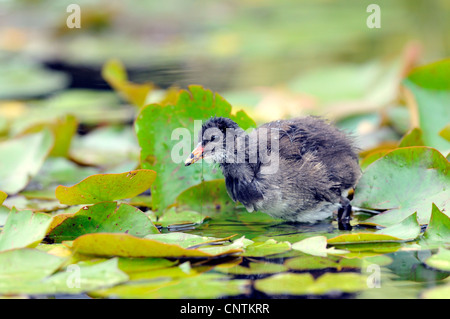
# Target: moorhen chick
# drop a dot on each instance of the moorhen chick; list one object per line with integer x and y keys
{"x": 299, "y": 170}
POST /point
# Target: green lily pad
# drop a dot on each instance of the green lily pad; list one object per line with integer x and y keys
{"x": 412, "y": 138}
{"x": 208, "y": 196}
{"x": 115, "y": 74}
{"x": 24, "y": 229}
{"x": 440, "y": 292}
{"x": 26, "y": 265}
{"x": 440, "y": 261}
{"x": 104, "y": 217}
{"x": 438, "y": 229}
{"x": 135, "y": 265}
{"x": 304, "y": 284}
{"x": 75, "y": 279}
{"x": 202, "y": 286}
{"x": 172, "y": 217}
{"x": 124, "y": 245}
{"x": 253, "y": 268}
{"x": 408, "y": 229}
{"x": 106, "y": 187}
{"x": 430, "y": 85}
{"x": 404, "y": 181}
{"x": 316, "y": 246}
{"x": 269, "y": 247}
{"x": 186, "y": 240}
{"x": 22, "y": 158}
{"x": 166, "y": 136}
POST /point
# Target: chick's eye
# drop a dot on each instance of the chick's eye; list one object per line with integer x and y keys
{"x": 214, "y": 137}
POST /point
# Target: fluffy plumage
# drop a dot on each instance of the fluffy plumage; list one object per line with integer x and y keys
{"x": 299, "y": 169}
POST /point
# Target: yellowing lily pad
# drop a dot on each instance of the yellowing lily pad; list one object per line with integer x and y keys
{"x": 106, "y": 187}
{"x": 124, "y": 245}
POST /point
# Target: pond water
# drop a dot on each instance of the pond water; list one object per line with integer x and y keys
{"x": 395, "y": 270}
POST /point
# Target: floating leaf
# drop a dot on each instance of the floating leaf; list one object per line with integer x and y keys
{"x": 439, "y": 292}
{"x": 316, "y": 246}
{"x": 3, "y": 196}
{"x": 77, "y": 278}
{"x": 22, "y": 158}
{"x": 124, "y": 245}
{"x": 359, "y": 238}
{"x": 440, "y": 261}
{"x": 404, "y": 181}
{"x": 186, "y": 240}
{"x": 201, "y": 286}
{"x": 412, "y": 138}
{"x": 115, "y": 74}
{"x": 24, "y": 229}
{"x": 438, "y": 229}
{"x": 166, "y": 135}
{"x": 26, "y": 265}
{"x": 173, "y": 217}
{"x": 104, "y": 217}
{"x": 106, "y": 187}
{"x": 253, "y": 268}
{"x": 63, "y": 129}
{"x": 430, "y": 85}
{"x": 304, "y": 284}
{"x": 407, "y": 229}
{"x": 208, "y": 196}
{"x": 269, "y": 247}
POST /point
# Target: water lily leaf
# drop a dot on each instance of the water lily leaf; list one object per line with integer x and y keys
{"x": 24, "y": 229}
{"x": 407, "y": 229}
{"x": 106, "y": 187}
{"x": 316, "y": 246}
{"x": 167, "y": 135}
{"x": 358, "y": 238}
{"x": 135, "y": 265}
{"x": 186, "y": 240}
{"x": 173, "y": 217}
{"x": 412, "y": 138}
{"x": 124, "y": 245}
{"x": 445, "y": 132}
{"x": 115, "y": 74}
{"x": 440, "y": 261}
{"x": 253, "y": 268}
{"x": 304, "y": 284}
{"x": 269, "y": 247}
{"x": 208, "y": 196}
{"x": 22, "y": 158}
{"x": 202, "y": 286}
{"x": 26, "y": 265}
{"x": 404, "y": 181}
{"x": 306, "y": 262}
{"x": 438, "y": 229}
{"x": 430, "y": 86}
{"x": 3, "y": 196}
{"x": 103, "y": 217}
{"x": 440, "y": 292}
{"x": 62, "y": 128}
{"x": 75, "y": 279}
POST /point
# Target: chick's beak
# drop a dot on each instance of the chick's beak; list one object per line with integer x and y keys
{"x": 196, "y": 155}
